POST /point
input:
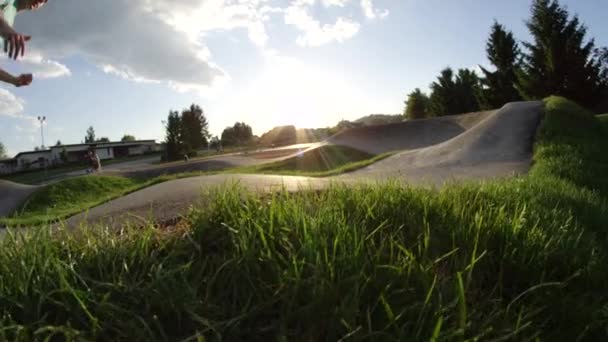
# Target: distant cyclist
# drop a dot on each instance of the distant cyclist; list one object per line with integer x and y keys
{"x": 14, "y": 42}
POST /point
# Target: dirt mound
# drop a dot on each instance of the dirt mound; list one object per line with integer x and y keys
{"x": 12, "y": 196}
{"x": 406, "y": 135}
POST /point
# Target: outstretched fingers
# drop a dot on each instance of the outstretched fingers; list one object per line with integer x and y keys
{"x": 14, "y": 45}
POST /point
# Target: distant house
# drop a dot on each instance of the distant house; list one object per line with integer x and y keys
{"x": 8, "y": 166}
{"x": 58, "y": 155}
{"x": 110, "y": 150}
{"x": 33, "y": 160}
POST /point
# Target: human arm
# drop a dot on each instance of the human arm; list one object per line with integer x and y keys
{"x": 14, "y": 42}
{"x": 19, "y": 81}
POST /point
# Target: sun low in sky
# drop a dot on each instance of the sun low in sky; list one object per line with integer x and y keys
{"x": 121, "y": 65}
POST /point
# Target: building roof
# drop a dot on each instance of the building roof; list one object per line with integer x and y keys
{"x": 31, "y": 152}
{"x": 86, "y": 146}
{"x": 107, "y": 143}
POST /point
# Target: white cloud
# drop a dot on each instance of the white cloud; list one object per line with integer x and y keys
{"x": 315, "y": 34}
{"x": 338, "y": 3}
{"x": 124, "y": 37}
{"x": 36, "y": 64}
{"x": 44, "y": 68}
{"x": 10, "y": 105}
{"x": 371, "y": 12}
{"x": 163, "y": 41}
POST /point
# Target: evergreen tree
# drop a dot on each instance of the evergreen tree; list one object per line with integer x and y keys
{"x": 416, "y": 106}
{"x": 442, "y": 100}
{"x": 195, "y": 128}
{"x": 499, "y": 86}
{"x": 468, "y": 87}
{"x": 454, "y": 95}
{"x": 90, "y": 137}
{"x": 560, "y": 60}
{"x": 173, "y": 137}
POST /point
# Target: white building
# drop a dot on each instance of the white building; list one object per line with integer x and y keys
{"x": 58, "y": 155}
{"x": 8, "y": 166}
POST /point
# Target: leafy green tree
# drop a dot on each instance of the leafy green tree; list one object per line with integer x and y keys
{"x": 90, "y": 137}
{"x": 173, "y": 138}
{"x": 238, "y": 135}
{"x": 2, "y": 151}
{"x": 58, "y": 143}
{"x": 195, "y": 130}
{"x": 103, "y": 140}
{"x": 499, "y": 86}
{"x": 560, "y": 60}
{"x": 416, "y": 105}
{"x": 454, "y": 94}
{"x": 127, "y": 138}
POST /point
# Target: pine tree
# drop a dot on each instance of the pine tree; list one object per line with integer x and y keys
{"x": 454, "y": 95}
{"x": 173, "y": 137}
{"x": 195, "y": 128}
{"x": 499, "y": 86}
{"x": 560, "y": 60}
{"x": 416, "y": 106}
{"x": 468, "y": 87}
{"x": 442, "y": 93}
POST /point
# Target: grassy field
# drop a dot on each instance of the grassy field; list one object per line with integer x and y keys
{"x": 519, "y": 259}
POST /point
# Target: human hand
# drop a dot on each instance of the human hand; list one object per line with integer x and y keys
{"x": 23, "y": 80}
{"x": 14, "y": 44}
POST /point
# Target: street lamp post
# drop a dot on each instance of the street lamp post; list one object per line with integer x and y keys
{"x": 42, "y": 120}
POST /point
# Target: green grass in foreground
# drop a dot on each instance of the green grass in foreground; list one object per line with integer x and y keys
{"x": 71, "y": 196}
{"x": 512, "y": 260}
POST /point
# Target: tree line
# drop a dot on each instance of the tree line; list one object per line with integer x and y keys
{"x": 90, "y": 138}
{"x": 188, "y": 132}
{"x": 559, "y": 60}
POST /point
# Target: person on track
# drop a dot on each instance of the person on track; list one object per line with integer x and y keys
{"x": 14, "y": 42}
{"x": 94, "y": 160}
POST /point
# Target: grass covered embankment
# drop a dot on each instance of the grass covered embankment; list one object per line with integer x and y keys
{"x": 517, "y": 259}
{"x": 71, "y": 196}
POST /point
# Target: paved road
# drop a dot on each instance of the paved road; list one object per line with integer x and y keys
{"x": 12, "y": 195}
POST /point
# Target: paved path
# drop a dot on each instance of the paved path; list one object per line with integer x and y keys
{"x": 12, "y": 195}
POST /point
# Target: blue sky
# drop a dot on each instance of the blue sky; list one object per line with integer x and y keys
{"x": 121, "y": 68}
